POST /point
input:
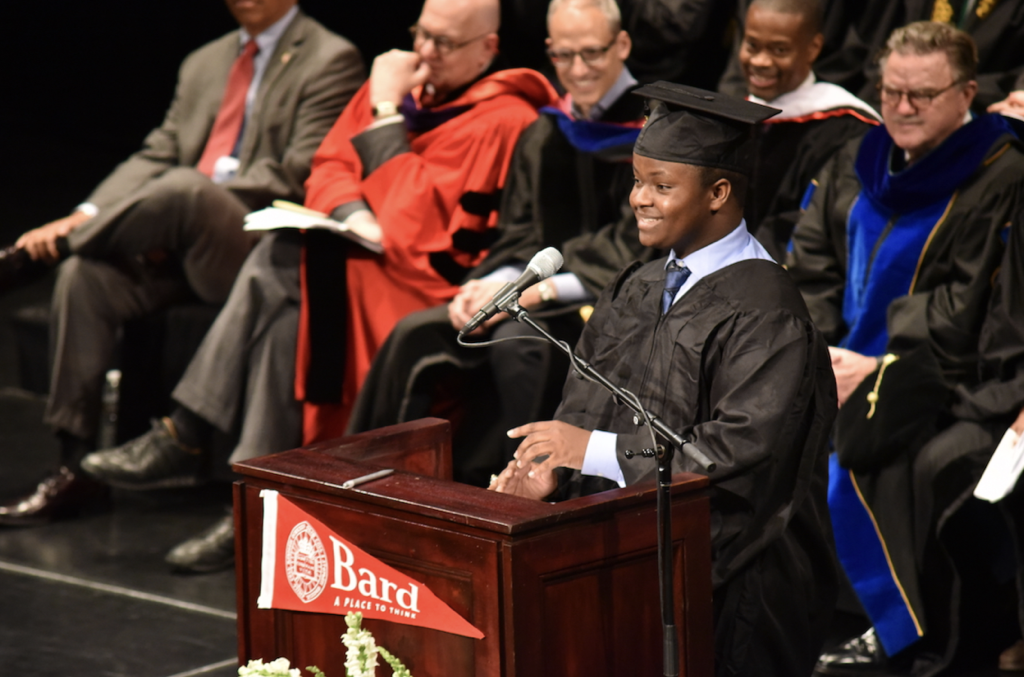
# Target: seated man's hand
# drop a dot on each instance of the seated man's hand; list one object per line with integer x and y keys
{"x": 521, "y": 482}
{"x": 850, "y": 369}
{"x": 363, "y": 223}
{"x": 471, "y": 298}
{"x": 563, "y": 445}
{"x": 1018, "y": 425}
{"x": 1014, "y": 103}
{"x": 41, "y": 242}
{"x": 394, "y": 74}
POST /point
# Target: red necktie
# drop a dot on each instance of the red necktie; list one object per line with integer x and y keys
{"x": 231, "y": 115}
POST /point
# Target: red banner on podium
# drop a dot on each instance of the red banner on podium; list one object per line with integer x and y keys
{"x": 309, "y": 567}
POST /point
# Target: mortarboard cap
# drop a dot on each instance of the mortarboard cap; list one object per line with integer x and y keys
{"x": 697, "y": 127}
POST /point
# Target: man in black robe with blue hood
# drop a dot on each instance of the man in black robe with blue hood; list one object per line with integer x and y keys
{"x": 897, "y": 256}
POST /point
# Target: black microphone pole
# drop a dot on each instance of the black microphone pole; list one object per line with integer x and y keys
{"x": 664, "y": 454}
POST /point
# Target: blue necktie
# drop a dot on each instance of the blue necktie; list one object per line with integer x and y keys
{"x": 675, "y": 277}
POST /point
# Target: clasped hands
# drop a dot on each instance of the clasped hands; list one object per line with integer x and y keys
{"x": 546, "y": 445}
{"x": 474, "y": 294}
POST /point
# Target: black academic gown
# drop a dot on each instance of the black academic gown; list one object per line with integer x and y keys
{"x": 737, "y": 365}
{"x": 789, "y": 155}
{"x": 557, "y": 196}
{"x": 967, "y": 308}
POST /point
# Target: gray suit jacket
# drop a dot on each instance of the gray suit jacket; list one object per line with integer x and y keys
{"x": 311, "y": 76}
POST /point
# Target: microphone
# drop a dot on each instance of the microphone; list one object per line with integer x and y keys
{"x": 542, "y": 266}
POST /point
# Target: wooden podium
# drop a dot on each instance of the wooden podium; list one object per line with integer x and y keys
{"x": 567, "y": 589}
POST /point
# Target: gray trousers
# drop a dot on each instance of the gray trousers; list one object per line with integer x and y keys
{"x": 181, "y": 213}
{"x": 244, "y": 371}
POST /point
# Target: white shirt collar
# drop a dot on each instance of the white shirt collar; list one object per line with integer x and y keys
{"x": 267, "y": 40}
{"x": 622, "y": 84}
{"x": 814, "y": 97}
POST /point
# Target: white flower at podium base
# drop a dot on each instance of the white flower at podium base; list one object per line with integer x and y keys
{"x": 360, "y": 658}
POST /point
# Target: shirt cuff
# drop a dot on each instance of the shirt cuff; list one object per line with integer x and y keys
{"x": 342, "y": 212}
{"x": 504, "y": 274}
{"x": 389, "y": 120}
{"x": 600, "y": 459}
{"x": 569, "y": 288}
{"x": 378, "y": 144}
{"x": 88, "y": 208}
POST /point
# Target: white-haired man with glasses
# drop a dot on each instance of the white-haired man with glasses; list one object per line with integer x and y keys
{"x": 906, "y": 236}
{"x": 420, "y": 156}
{"x": 568, "y": 187}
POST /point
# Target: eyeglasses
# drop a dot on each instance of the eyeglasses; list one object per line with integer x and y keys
{"x": 917, "y": 98}
{"x": 590, "y": 55}
{"x": 443, "y": 44}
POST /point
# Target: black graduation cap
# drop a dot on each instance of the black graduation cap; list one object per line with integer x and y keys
{"x": 697, "y": 127}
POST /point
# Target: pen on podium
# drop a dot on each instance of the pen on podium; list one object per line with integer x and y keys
{"x": 356, "y": 481}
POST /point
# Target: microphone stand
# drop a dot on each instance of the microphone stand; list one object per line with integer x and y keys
{"x": 664, "y": 454}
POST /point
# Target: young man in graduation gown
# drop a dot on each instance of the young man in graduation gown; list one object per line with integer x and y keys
{"x": 781, "y": 41}
{"x": 715, "y": 340}
{"x": 418, "y": 156}
{"x": 568, "y": 187}
{"x": 249, "y": 110}
{"x": 896, "y": 256}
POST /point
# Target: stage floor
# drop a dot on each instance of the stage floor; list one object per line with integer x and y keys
{"x": 92, "y": 595}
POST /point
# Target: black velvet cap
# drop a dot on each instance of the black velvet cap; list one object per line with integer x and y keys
{"x": 697, "y": 127}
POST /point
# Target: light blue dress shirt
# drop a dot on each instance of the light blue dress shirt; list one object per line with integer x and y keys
{"x": 739, "y": 245}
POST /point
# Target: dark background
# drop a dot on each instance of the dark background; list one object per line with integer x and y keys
{"x": 84, "y": 81}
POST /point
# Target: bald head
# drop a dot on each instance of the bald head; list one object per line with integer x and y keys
{"x": 475, "y": 16}
{"x": 467, "y": 31}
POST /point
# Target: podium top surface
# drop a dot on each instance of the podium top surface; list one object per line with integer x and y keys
{"x": 320, "y": 470}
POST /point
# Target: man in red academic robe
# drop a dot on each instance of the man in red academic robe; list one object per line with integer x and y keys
{"x": 424, "y": 159}
{"x": 418, "y": 159}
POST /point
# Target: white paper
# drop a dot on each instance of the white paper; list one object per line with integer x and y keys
{"x": 1002, "y": 471}
{"x": 273, "y": 218}
{"x": 268, "y": 564}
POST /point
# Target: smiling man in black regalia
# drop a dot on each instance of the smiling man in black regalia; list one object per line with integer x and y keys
{"x": 717, "y": 341}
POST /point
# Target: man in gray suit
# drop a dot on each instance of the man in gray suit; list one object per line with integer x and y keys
{"x": 167, "y": 223}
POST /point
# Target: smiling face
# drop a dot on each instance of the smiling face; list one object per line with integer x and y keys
{"x": 574, "y": 28}
{"x": 256, "y": 16}
{"x": 672, "y": 205}
{"x": 777, "y": 51}
{"x": 919, "y": 128}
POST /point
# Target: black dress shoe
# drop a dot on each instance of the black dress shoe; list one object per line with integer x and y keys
{"x": 212, "y": 550}
{"x": 152, "y": 461}
{"x": 859, "y": 656}
{"x": 61, "y": 494}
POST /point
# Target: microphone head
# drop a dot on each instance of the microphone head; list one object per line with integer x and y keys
{"x": 546, "y": 263}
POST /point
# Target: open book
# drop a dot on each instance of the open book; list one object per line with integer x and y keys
{"x": 284, "y": 214}
{"x": 1003, "y": 468}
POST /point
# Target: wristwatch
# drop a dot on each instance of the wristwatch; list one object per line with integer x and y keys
{"x": 547, "y": 291}
{"x": 385, "y": 109}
